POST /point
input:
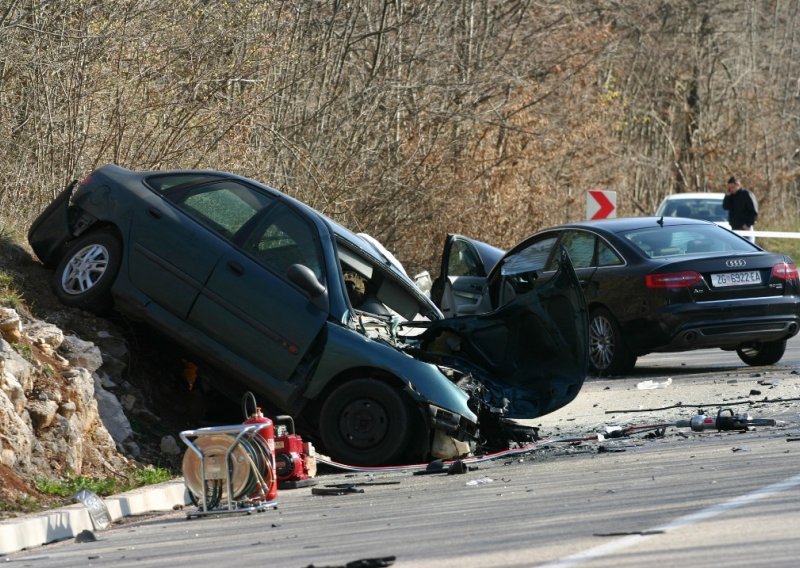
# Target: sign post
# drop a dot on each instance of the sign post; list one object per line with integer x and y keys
{"x": 601, "y": 204}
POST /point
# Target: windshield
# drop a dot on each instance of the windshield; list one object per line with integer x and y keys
{"x": 679, "y": 240}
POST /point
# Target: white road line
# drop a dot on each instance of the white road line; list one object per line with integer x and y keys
{"x": 692, "y": 518}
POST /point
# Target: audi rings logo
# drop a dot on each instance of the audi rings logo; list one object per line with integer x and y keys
{"x": 737, "y": 262}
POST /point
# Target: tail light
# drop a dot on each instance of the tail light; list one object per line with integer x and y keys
{"x": 785, "y": 271}
{"x": 673, "y": 279}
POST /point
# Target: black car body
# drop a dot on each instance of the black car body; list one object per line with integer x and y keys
{"x": 652, "y": 284}
{"x": 315, "y": 320}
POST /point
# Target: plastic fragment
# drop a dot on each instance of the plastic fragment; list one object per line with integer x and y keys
{"x": 650, "y": 384}
{"x": 479, "y": 481}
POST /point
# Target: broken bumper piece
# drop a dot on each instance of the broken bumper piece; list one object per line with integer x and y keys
{"x": 452, "y": 424}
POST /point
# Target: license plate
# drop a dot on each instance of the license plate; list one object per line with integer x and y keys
{"x": 736, "y": 278}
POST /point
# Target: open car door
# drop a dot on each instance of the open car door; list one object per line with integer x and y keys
{"x": 527, "y": 358}
{"x": 460, "y": 287}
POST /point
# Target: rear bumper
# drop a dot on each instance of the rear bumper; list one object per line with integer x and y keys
{"x": 50, "y": 230}
{"x": 728, "y": 324}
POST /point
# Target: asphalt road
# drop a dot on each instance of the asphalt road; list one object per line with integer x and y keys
{"x": 715, "y": 498}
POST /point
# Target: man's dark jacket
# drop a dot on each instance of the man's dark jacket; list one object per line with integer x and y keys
{"x": 742, "y": 208}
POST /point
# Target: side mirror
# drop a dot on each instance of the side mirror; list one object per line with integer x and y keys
{"x": 305, "y": 279}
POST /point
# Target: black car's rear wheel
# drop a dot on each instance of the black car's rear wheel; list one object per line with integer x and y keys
{"x": 366, "y": 422}
{"x": 757, "y": 354}
{"x": 608, "y": 352}
{"x": 84, "y": 276}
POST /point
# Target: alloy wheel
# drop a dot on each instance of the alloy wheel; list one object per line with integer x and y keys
{"x": 601, "y": 342}
{"x": 85, "y": 269}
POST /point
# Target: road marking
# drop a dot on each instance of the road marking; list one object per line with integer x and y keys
{"x": 680, "y": 522}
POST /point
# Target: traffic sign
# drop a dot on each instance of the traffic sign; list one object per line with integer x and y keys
{"x": 601, "y": 204}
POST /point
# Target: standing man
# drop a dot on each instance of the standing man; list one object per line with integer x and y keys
{"x": 741, "y": 205}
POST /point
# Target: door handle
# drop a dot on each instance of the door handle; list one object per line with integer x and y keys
{"x": 235, "y": 267}
{"x": 153, "y": 212}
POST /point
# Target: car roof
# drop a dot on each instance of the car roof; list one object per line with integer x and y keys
{"x": 696, "y": 195}
{"x": 623, "y": 224}
{"x": 338, "y": 230}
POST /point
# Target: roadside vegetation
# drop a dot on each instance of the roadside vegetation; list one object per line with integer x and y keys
{"x": 69, "y": 485}
{"x": 54, "y": 492}
{"x": 488, "y": 118}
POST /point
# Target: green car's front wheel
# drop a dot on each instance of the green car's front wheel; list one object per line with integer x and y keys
{"x": 366, "y": 422}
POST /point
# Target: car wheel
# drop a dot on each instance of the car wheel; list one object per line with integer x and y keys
{"x": 84, "y": 276}
{"x": 365, "y": 422}
{"x": 608, "y": 353}
{"x": 756, "y": 354}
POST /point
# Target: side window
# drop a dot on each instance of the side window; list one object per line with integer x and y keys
{"x": 530, "y": 259}
{"x": 606, "y": 256}
{"x": 464, "y": 261}
{"x": 282, "y": 238}
{"x": 223, "y": 207}
{"x": 580, "y": 246}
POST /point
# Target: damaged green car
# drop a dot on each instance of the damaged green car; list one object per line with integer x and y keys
{"x": 317, "y": 321}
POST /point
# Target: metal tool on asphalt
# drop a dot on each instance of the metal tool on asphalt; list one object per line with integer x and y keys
{"x": 724, "y": 420}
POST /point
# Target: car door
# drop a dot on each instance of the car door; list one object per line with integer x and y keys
{"x": 535, "y": 261}
{"x": 531, "y": 353}
{"x": 580, "y": 245}
{"x": 179, "y": 234}
{"x": 460, "y": 287}
{"x": 249, "y": 306}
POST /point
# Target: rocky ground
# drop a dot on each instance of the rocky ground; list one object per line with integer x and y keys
{"x": 81, "y": 394}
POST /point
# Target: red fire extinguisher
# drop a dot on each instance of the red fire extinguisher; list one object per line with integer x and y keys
{"x": 267, "y": 435}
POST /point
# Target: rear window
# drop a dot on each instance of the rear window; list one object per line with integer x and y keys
{"x": 667, "y": 242}
{"x": 707, "y": 209}
{"x": 163, "y": 182}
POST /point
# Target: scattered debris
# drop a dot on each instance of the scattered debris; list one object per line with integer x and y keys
{"x": 98, "y": 512}
{"x": 649, "y": 384}
{"x": 361, "y": 484}
{"x": 438, "y": 467}
{"x": 85, "y": 536}
{"x": 479, "y": 481}
{"x": 363, "y": 563}
{"x": 723, "y": 421}
{"x": 628, "y": 533}
{"x": 610, "y": 449}
{"x": 341, "y": 490}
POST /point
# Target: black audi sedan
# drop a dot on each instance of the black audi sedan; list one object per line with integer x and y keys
{"x": 651, "y": 284}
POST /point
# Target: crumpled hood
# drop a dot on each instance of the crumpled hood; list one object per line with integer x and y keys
{"x": 530, "y": 357}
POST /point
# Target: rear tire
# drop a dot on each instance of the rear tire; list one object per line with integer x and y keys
{"x": 758, "y": 354}
{"x": 608, "y": 352}
{"x": 86, "y": 272}
{"x": 365, "y": 422}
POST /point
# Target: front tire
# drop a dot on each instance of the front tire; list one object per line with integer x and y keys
{"x": 86, "y": 272}
{"x": 365, "y": 422}
{"x": 608, "y": 352}
{"x": 758, "y": 354}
